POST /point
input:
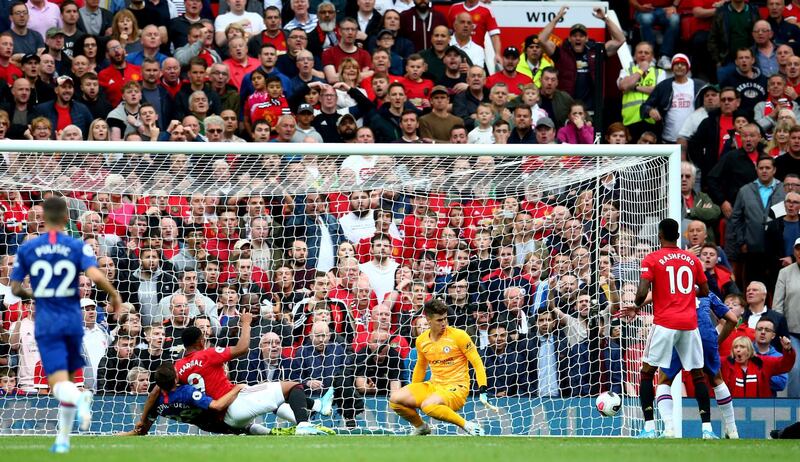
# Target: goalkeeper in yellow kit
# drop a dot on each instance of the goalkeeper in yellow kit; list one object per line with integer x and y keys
{"x": 447, "y": 351}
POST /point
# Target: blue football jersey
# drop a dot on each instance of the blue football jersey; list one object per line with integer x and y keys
{"x": 189, "y": 405}
{"x": 705, "y": 324}
{"x": 54, "y": 261}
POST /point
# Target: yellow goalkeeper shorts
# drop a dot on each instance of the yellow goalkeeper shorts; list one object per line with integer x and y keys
{"x": 454, "y": 396}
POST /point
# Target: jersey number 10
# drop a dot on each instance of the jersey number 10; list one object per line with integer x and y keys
{"x": 64, "y": 269}
{"x": 682, "y": 279}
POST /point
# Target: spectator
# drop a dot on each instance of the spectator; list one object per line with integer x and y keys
{"x": 696, "y": 205}
{"x": 174, "y": 325}
{"x": 745, "y": 231}
{"x": 649, "y": 14}
{"x": 766, "y": 112}
{"x": 138, "y": 381}
{"x": 119, "y": 72}
{"x": 198, "y": 303}
{"x": 577, "y": 57}
{"x": 785, "y": 302}
{"x": 637, "y": 82}
{"x": 378, "y": 366}
{"x": 737, "y": 168}
{"x": 724, "y": 41}
{"x": 705, "y": 147}
{"x": 747, "y": 79}
{"x": 27, "y": 41}
{"x": 765, "y": 335}
{"x": 148, "y": 284}
{"x": 720, "y": 278}
{"x": 578, "y": 129}
{"x": 115, "y": 365}
{"x": 756, "y": 309}
{"x": 266, "y": 363}
{"x": 346, "y": 48}
{"x": 503, "y": 365}
{"x": 437, "y": 124}
{"x": 41, "y": 91}
{"x": 79, "y": 114}
{"x": 419, "y": 23}
{"x": 466, "y": 103}
{"x": 672, "y": 100}
{"x": 252, "y": 22}
{"x": 547, "y": 353}
{"x": 323, "y": 244}
{"x": 318, "y": 364}
{"x": 759, "y": 370}
{"x": 150, "y": 358}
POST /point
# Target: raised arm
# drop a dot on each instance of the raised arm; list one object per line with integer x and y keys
{"x": 544, "y": 35}
{"x": 243, "y": 344}
{"x": 100, "y": 281}
{"x": 617, "y": 36}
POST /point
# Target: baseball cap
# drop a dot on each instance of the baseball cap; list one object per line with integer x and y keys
{"x": 62, "y": 79}
{"x": 383, "y": 32}
{"x": 681, "y": 58}
{"x": 511, "y": 51}
{"x": 53, "y": 31}
{"x": 87, "y": 302}
{"x": 531, "y": 40}
{"x": 241, "y": 243}
{"x": 305, "y": 108}
{"x": 344, "y": 116}
{"x": 797, "y": 242}
{"x": 439, "y": 89}
{"x": 30, "y": 57}
{"x": 452, "y": 49}
{"x": 545, "y": 122}
{"x": 577, "y": 28}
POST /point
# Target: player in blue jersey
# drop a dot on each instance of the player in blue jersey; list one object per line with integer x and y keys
{"x": 711, "y": 340}
{"x": 187, "y": 404}
{"x": 53, "y": 262}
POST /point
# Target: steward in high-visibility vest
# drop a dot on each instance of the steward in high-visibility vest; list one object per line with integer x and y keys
{"x": 632, "y": 100}
{"x": 533, "y": 54}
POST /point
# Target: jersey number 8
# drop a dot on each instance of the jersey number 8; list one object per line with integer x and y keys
{"x": 62, "y": 267}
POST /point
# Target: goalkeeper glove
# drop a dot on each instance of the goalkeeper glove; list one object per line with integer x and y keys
{"x": 485, "y": 400}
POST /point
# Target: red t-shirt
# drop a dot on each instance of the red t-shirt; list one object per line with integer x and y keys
{"x": 112, "y": 80}
{"x": 279, "y": 41}
{"x": 673, "y": 273}
{"x": 481, "y": 15}
{"x": 205, "y": 371}
{"x": 725, "y": 124}
{"x": 513, "y": 83}
{"x": 334, "y": 55}
{"x": 64, "y": 118}
{"x": 10, "y": 73}
{"x": 417, "y": 90}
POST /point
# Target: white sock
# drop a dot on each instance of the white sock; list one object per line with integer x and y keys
{"x": 650, "y": 425}
{"x": 664, "y": 405}
{"x": 285, "y": 412}
{"x": 317, "y": 405}
{"x": 66, "y": 392}
{"x": 725, "y": 405}
{"x": 66, "y": 419}
{"x": 707, "y": 427}
{"x": 257, "y": 429}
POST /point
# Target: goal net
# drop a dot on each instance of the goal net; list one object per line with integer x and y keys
{"x": 334, "y": 250}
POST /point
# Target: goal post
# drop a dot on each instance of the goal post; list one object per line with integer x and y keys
{"x": 533, "y": 247}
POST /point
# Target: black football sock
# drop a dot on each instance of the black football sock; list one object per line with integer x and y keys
{"x": 297, "y": 401}
{"x": 703, "y": 401}
{"x": 647, "y": 395}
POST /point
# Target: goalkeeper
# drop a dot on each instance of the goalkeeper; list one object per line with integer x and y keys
{"x": 447, "y": 350}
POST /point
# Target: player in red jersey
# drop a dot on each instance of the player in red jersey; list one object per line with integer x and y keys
{"x": 672, "y": 274}
{"x": 204, "y": 369}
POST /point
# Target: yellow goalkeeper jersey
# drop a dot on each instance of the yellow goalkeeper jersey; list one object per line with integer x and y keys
{"x": 448, "y": 358}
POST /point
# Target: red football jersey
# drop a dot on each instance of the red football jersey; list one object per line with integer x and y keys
{"x": 205, "y": 371}
{"x": 481, "y": 15}
{"x": 673, "y": 273}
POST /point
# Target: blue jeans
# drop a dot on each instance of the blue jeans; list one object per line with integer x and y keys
{"x": 671, "y": 25}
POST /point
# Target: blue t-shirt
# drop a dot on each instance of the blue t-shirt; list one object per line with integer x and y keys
{"x": 54, "y": 261}
{"x": 707, "y": 305}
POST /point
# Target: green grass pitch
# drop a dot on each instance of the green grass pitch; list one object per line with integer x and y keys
{"x": 391, "y": 448}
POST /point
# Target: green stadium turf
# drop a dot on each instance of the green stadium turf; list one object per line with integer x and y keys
{"x": 392, "y": 448}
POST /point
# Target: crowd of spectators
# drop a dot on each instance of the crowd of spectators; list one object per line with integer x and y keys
{"x": 336, "y": 280}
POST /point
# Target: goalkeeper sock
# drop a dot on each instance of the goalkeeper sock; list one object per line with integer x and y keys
{"x": 664, "y": 404}
{"x": 66, "y": 419}
{"x": 445, "y": 414}
{"x": 725, "y": 405}
{"x": 66, "y": 392}
{"x": 284, "y": 411}
{"x": 407, "y": 413}
{"x": 297, "y": 401}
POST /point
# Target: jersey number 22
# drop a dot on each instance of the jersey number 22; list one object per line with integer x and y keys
{"x": 63, "y": 268}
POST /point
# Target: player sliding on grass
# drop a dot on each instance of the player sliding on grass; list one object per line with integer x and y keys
{"x": 673, "y": 274}
{"x": 447, "y": 350}
{"x": 54, "y": 262}
{"x": 711, "y": 340}
{"x": 187, "y": 404}
{"x": 203, "y": 368}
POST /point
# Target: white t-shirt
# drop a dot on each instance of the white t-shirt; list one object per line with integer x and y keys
{"x": 680, "y": 109}
{"x": 364, "y": 167}
{"x": 479, "y": 135}
{"x": 356, "y": 228}
{"x": 380, "y": 278}
{"x": 255, "y": 27}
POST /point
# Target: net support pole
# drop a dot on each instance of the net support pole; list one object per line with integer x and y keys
{"x": 674, "y": 210}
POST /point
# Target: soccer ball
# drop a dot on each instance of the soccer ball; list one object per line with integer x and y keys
{"x": 609, "y": 403}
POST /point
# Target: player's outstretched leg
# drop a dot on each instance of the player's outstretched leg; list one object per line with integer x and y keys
{"x": 403, "y": 404}
{"x": 434, "y": 406}
{"x": 71, "y": 401}
{"x": 703, "y": 403}
{"x": 296, "y": 398}
{"x": 646, "y": 398}
{"x": 725, "y": 406}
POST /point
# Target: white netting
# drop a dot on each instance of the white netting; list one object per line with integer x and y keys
{"x": 532, "y": 254}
